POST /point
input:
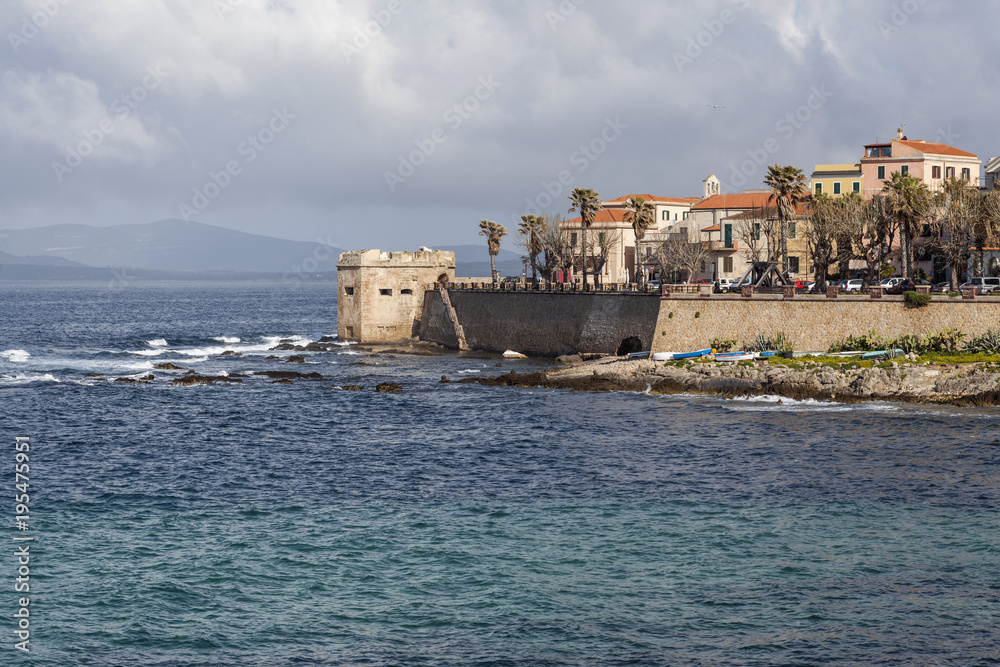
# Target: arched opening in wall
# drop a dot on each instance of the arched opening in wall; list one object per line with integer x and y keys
{"x": 443, "y": 278}
{"x": 630, "y": 345}
{"x": 406, "y": 291}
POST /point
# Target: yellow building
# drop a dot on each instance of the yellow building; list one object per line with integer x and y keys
{"x": 836, "y": 179}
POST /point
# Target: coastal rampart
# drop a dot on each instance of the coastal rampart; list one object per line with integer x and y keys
{"x": 554, "y": 323}
{"x": 544, "y": 324}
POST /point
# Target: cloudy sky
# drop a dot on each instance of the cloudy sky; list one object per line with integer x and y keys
{"x": 395, "y": 123}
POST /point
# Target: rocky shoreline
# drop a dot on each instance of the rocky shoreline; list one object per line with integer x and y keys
{"x": 970, "y": 384}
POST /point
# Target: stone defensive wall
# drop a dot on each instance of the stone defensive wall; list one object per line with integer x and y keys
{"x": 541, "y": 323}
{"x": 549, "y": 323}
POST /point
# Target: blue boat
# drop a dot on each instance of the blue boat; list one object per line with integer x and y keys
{"x": 694, "y": 355}
{"x": 883, "y": 354}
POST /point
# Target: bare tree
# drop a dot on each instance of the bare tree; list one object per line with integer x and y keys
{"x": 759, "y": 231}
{"x": 600, "y": 249}
{"x": 870, "y": 226}
{"x": 557, "y": 248}
{"x": 958, "y": 214}
{"x": 825, "y": 228}
{"x": 678, "y": 254}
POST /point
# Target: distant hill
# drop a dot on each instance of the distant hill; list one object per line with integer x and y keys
{"x": 473, "y": 261}
{"x": 168, "y": 245}
{"x": 36, "y": 260}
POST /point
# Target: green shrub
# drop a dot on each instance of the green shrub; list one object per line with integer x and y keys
{"x": 988, "y": 342}
{"x": 697, "y": 314}
{"x": 917, "y": 300}
{"x": 724, "y": 344}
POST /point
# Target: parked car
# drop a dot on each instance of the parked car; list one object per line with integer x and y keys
{"x": 699, "y": 281}
{"x": 888, "y": 283}
{"x": 723, "y": 285}
{"x": 853, "y": 285}
{"x": 906, "y": 285}
{"x": 941, "y": 288}
{"x": 983, "y": 285}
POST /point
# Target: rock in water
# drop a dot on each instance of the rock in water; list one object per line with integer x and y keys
{"x": 389, "y": 388}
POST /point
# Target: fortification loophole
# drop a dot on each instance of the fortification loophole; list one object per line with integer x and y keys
{"x": 630, "y": 345}
{"x": 443, "y": 278}
{"x": 406, "y": 291}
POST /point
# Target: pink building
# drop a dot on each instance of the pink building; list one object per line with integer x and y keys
{"x": 929, "y": 162}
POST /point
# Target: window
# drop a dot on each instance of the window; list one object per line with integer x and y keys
{"x": 572, "y": 239}
{"x": 756, "y": 231}
{"x": 966, "y": 174}
{"x": 385, "y": 292}
{"x": 685, "y": 215}
{"x": 881, "y": 172}
{"x": 349, "y": 291}
{"x": 675, "y": 216}
{"x": 703, "y": 266}
{"x": 793, "y": 264}
{"x": 406, "y": 291}
{"x": 791, "y": 230}
{"x": 665, "y": 215}
{"x": 949, "y": 172}
{"x": 905, "y": 169}
{"x": 727, "y": 264}
{"x": 819, "y": 188}
{"x": 857, "y": 186}
{"x": 936, "y": 171}
{"x": 836, "y": 187}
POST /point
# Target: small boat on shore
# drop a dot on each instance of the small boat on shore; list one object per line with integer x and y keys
{"x": 693, "y": 355}
{"x": 639, "y": 355}
{"x": 663, "y": 356}
{"x": 735, "y": 356}
{"x": 883, "y": 354}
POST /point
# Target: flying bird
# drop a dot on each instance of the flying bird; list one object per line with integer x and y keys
{"x": 715, "y": 106}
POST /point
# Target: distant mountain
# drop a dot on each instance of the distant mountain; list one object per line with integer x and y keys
{"x": 36, "y": 260}
{"x": 473, "y": 261}
{"x": 170, "y": 245}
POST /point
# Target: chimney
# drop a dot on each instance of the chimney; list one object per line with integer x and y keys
{"x": 899, "y": 133}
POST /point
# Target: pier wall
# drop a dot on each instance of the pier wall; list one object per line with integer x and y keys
{"x": 551, "y": 324}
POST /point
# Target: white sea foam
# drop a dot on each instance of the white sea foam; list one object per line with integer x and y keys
{"x": 26, "y": 378}
{"x": 159, "y": 342}
{"x": 146, "y": 353}
{"x": 467, "y": 371}
{"x": 227, "y": 339}
{"x": 15, "y": 356}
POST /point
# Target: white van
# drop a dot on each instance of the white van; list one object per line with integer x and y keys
{"x": 984, "y": 285}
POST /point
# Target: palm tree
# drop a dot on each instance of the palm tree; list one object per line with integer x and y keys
{"x": 530, "y": 231}
{"x": 909, "y": 201}
{"x": 588, "y": 203}
{"x": 640, "y": 213}
{"x": 787, "y": 190}
{"x": 493, "y": 231}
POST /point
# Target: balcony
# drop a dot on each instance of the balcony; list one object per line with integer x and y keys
{"x": 721, "y": 246}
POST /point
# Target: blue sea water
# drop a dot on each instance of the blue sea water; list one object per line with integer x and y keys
{"x": 270, "y": 524}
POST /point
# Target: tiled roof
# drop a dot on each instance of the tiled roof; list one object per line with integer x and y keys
{"x": 936, "y": 149}
{"x": 713, "y": 228}
{"x": 655, "y": 200}
{"x": 742, "y": 200}
{"x": 604, "y": 215}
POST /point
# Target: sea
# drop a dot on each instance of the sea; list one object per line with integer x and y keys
{"x": 255, "y": 523}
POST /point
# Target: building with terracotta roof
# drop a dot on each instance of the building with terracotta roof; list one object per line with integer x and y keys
{"x": 931, "y": 163}
{"x": 667, "y": 211}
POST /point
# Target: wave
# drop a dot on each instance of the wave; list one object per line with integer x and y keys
{"x": 26, "y": 378}
{"x": 159, "y": 342}
{"x": 227, "y": 339}
{"x": 16, "y": 356}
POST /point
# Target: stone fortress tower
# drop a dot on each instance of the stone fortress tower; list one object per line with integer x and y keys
{"x": 380, "y": 295}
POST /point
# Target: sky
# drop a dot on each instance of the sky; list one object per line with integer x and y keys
{"x": 395, "y": 124}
